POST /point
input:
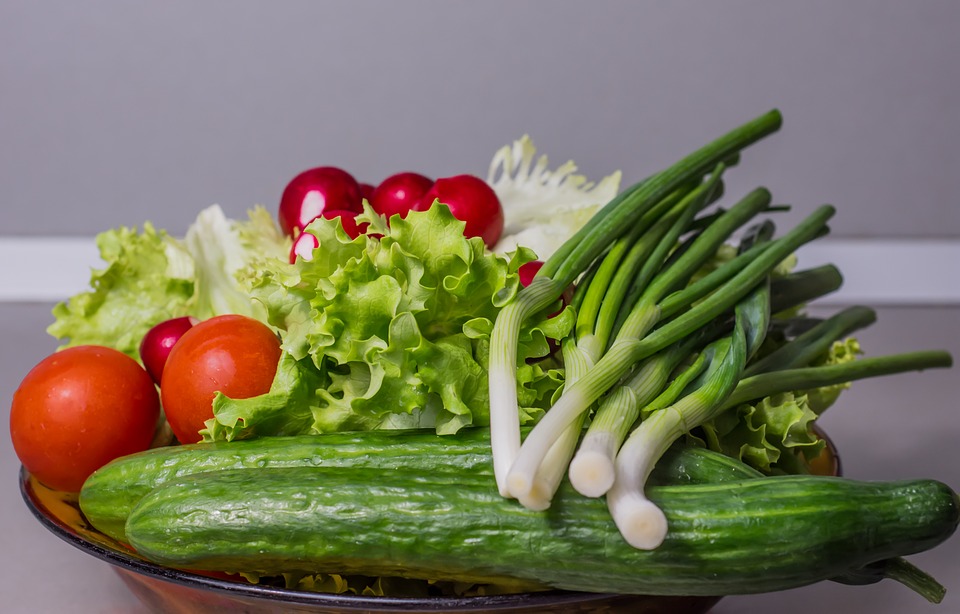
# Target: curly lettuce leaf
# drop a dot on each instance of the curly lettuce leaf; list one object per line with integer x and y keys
{"x": 773, "y": 435}
{"x": 840, "y": 352}
{"x": 149, "y": 277}
{"x": 392, "y": 326}
{"x": 543, "y": 208}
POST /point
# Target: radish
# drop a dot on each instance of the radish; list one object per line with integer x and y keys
{"x": 303, "y": 247}
{"x": 398, "y": 193}
{"x": 305, "y": 243}
{"x": 366, "y": 192}
{"x": 528, "y": 271}
{"x": 158, "y": 342}
{"x": 314, "y": 191}
{"x": 471, "y": 201}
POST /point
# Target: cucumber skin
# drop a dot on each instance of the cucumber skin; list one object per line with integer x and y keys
{"x": 749, "y": 536}
{"x": 111, "y": 493}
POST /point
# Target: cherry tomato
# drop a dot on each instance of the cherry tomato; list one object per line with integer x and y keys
{"x": 77, "y": 410}
{"x": 232, "y": 354}
{"x": 314, "y": 191}
{"x": 397, "y": 194}
{"x": 470, "y": 200}
{"x": 159, "y": 340}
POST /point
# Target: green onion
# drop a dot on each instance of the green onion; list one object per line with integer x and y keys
{"x": 573, "y": 258}
{"x": 627, "y": 351}
{"x": 641, "y": 522}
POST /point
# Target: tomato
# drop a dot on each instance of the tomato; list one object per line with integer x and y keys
{"x": 77, "y": 410}
{"x": 398, "y": 193}
{"x": 470, "y": 200}
{"x": 232, "y": 354}
{"x": 314, "y": 191}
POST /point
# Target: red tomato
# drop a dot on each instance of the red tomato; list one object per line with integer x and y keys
{"x": 314, "y": 191}
{"x": 232, "y": 354}
{"x": 472, "y": 201}
{"x": 399, "y": 193}
{"x": 79, "y": 409}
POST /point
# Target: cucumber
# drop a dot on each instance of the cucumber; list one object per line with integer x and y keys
{"x": 110, "y": 493}
{"x": 756, "y": 535}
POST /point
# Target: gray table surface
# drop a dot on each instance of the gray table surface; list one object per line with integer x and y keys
{"x": 897, "y": 427}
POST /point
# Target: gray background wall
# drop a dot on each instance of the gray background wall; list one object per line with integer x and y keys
{"x": 117, "y": 112}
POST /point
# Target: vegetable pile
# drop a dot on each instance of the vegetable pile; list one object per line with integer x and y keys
{"x": 473, "y": 376}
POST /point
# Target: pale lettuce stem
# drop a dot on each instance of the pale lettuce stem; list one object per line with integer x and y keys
{"x": 504, "y": 407}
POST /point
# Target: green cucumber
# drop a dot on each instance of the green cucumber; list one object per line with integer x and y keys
{"x": 756, "y": 535}
{"x": 110, "y": 493}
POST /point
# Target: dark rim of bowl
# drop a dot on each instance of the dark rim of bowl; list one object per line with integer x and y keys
{"x": 280, "y": 595}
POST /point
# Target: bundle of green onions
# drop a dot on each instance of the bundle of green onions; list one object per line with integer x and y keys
{"x": 659, "y": 348}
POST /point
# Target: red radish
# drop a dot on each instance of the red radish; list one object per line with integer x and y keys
{"x": 529, "y": 270}
{"x": 366, "y": 191}
{"x": 305, "y": 243}
{"x": 314, "y": 191}
{"x": 303, "y": 247}
{"x": 398, "y": 193}
{"x": 348, "y": 219}
{"x": 158, "y": 342}
{"x": 470, "y": 200}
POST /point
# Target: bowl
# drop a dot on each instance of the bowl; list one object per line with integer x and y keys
{"x": 163, "y": 589}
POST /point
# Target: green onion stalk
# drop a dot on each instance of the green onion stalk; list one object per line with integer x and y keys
{"x": 616, "y": 218}
{"x": 631, "y": 344}
{"x": 641, "y": 523}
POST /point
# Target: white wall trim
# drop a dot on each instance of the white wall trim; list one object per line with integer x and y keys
{"x": 876, "y": 272}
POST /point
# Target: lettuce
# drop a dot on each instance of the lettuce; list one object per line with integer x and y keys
{"x": 151, "y": 276}
{"x": 775, "y": 434}
{"x": 389, "y": 330}
{"x": 543, "y": 208}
